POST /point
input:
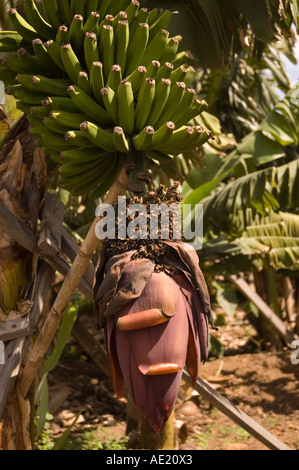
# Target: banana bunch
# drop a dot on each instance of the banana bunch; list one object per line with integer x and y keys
{"x": 98, "y": 79}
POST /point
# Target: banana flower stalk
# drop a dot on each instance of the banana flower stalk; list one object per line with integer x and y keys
{"x": 155, "y": 317}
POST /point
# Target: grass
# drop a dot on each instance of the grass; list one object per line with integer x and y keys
{"x": 85, "y": 440}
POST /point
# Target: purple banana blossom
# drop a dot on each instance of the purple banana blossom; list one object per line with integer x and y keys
{"x": 155, "y": 321}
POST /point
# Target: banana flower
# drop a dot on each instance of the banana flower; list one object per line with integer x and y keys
{"x": 155, "y": 317}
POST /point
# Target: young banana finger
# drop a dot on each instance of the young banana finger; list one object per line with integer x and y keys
{"x": 22, "y": 26}
{"x": 156, "y": 47}
{"x": 35, "y": 19}
{"x": 76, "y": 33}
{"x": 137, "y": 48}
{"x": 110, "y": 103}
{"x": 107, "y": 49}
{"x": 91, "y": 50}
{"x": 173, "y": 103}
{"x": 145, "y": 100}
{"x": 126, "y": 107}
{"x": 97, "y": 81}
{"x": 51, "y": 11}
{"x": 98, "y": 136}
{"x": 144, "y": 140}
{"x": 120, "y": 141}
{"x": 71, "y": 62}
{"x": 122, "y": 38}
{"x": 137, "y": 78}
{"x": 159, "y": 102}
{"x": 89, "y": 107}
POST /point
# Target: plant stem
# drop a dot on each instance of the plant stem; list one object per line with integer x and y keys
{"x": 66, "y": 292}
{"x": 136, "y": 166}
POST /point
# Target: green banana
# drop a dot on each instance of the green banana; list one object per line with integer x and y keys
{"x": 89, "y": 106}
{"x": 181, "y": 59}
{"x": 35, "y": 19}
{"x": 91, "y": 50}
{"x": 132, "y": 11}
{"x": 30, "y": 62}
{"x": 55, "y": 142}
{"x": 78, "y": 7}
{"x": 178, "y": 137}
{"x": 98, "y": 136}
{"x": 122, "y": 38}
{"x": 77, "y": 138}
{"x": 86, "y": 171}
{"x": 172, "y": 104}
{"x": 67, "y": 119}
{"x": 144, "y": 139}
{"x": 107, "y": 49}
{"x": 185, "y": 104}
{"x": 153, "y": 15}
{"x": 53, "y": 126}
{"x": 196, "y": 139}
{"x": 178, "y": 74}
{"x": 107, "y": 21}
{"x": 158, "y": 157}
{"x": 70, "y": 62}
{"x": 83, "y": 83}
{"x": 162, "y": 135}
{"x": 162, "y": 22}
{"x": 160, "y": 99}
{"x": 91, "y": 6}
{"x": 126, "y": 107}
{"x": 62, "y": 36}
{"x": 80, "y": 155}
{"x": 145, "y": 100}
{"x": 44, "y": 84}
{"x": 76, "y": 32}
{"x": 141, "y": 17}
{"x": 110, "y": 102}
{"x": 6, "y": 75}
{"x": 196, "y": 108}
{"x": 114, "y": 77}
{"x": 65, "y": 12}
{"x": 22, "y": 26}
{"x": 121, "y": 16}
{"x": 28, "y": 97}
{"x": 25, "y": 108}
{"x": 97, "y": 81}
{"x": 156, "y": 47}
{"x": 10, "y": 41}
{"x": 153, "y": 69}
{"x": 42, "y": 54}
{"x": 109, "y": 176}
{"x": 103, "y": 8}
{"x": 120, "y": 141}
{"x": 51, "y": 11}
{"x": 39, "y": 112}
{"x": 59, "y": 103}
{"x": 171, "y": 49}
{"x": 164, "y": 71}
{"x": 137, "y": 48}
{"x": 53, "y": 49}
{"x": 137, "y": 78}
{"x": 92, "y": 23}
{"x": 82, "y": 183}
{"x": 37, "y": 131}
{"x": 15, "y": 65}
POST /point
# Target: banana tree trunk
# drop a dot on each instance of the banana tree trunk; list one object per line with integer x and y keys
{"x": 22, "y": 186}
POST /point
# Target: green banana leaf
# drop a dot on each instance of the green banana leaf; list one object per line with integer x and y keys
{"x": 271, "y": 241}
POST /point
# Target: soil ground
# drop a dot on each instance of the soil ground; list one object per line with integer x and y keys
{"x": 265, "y": 385}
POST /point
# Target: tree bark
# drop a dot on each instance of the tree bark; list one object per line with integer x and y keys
{"x": 22, "y": 187}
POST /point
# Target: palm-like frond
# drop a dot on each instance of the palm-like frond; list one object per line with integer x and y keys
{"x": 214, "y": 30}
{"x": 271, "y": 241}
